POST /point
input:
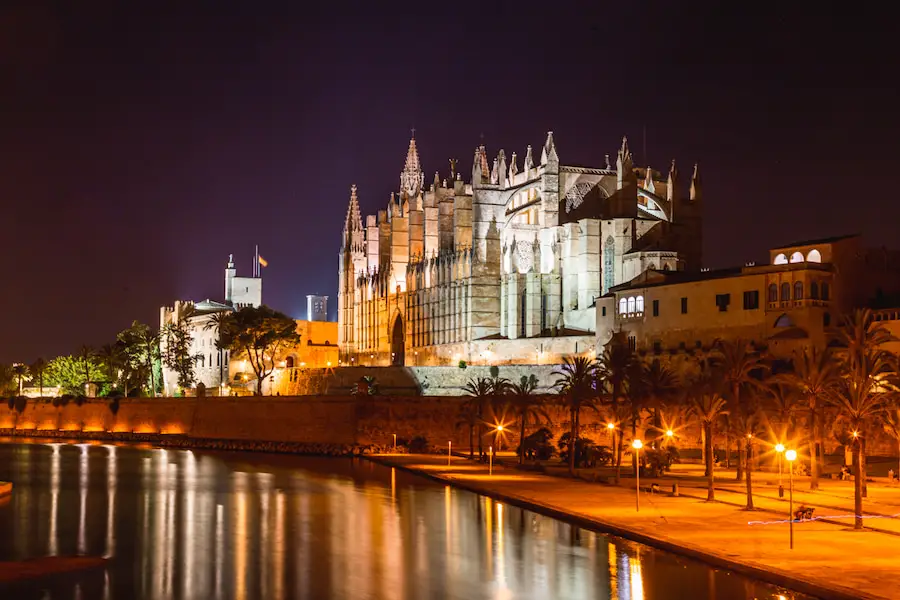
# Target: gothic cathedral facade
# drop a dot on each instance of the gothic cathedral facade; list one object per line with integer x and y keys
{"x": 506, "y": 268}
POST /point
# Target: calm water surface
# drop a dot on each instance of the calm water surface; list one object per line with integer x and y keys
{"x": 183, "y": 524}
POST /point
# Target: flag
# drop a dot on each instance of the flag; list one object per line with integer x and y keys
{"x": 262, "y": 262}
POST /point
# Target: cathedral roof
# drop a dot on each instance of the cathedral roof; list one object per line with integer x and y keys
{"x": 828, "y": 240}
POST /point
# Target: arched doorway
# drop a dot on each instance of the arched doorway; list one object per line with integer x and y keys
{"x": 397, "y": 342}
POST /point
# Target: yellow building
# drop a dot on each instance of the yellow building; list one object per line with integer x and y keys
{"x": 784, "y": 305}
{"x": 317, "y": 351}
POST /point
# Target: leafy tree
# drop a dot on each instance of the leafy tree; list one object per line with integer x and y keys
{"x": 891, "y": 420}
{"x": 72, "y": 373}
{"x": 86, "y": 358}
{"x": 112, "y": 359}
{"x": 616, "y": 367}
{"x": 576, "y": 380}
{"x": 176, "y": 350}
{"x": 7, "y": 380}
{"x": 38, "y": 368}
{"x": 527, "y": 406}
{"x": 867, "y": 383}
{"x": 259, "y": 333}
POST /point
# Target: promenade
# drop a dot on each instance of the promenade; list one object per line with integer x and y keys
{"x": 829, "y": 559}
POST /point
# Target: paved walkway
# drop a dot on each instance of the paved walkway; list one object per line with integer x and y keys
{"x": 829, "y": 559}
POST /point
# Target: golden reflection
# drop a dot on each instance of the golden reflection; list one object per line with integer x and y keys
{"x": 82, "y": 504}
{"x": 503, "y": 590}
{"x": 393, "y": 483}
{"x": 279, "y": 550}
{"x": 489, "y": 535}
{"x": 189, "y": 525}
{"x": 613, "y": 571}
{"x": 265, "y": 489}
{"x": 220, "y": 550}
{"x": 169, "y": 531}
{"x": 240, "y": 536}
{"x": 110, "y": 501}
{"x": 53, "y": 542}
{"x": 637, "y": 577}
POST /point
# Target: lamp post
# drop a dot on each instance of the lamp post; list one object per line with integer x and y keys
{"x": 791, "y": 456}
{"x": 611, "y": 428}
{"x": 490, "y": 460}
{"x": 449, "y": 451}
{"x": 498, "y": 438}
{"x": 637, "y": 445}
{"x": 395, "y": 441}
{"x": 669, "y": 435}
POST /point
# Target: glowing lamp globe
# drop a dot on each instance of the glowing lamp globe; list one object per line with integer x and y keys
{"x": 637, "y": 444}
{"x": 779, "y": 447}
{"x": 610, "y": 425}
{"x": 670, "y": 433}
{"x": 791, "y": 455}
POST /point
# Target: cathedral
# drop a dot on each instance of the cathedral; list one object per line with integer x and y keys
{"x": 506, "y": 268}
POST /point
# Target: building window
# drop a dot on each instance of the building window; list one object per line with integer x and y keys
{"x": 722, "y": 301}
{"x": 639, "y": 304}
{"x": 814, "y": 290}
{"x": 797, "y": 257}
{"x": 684, "y": 306}
{"x": 826, "y": 320}
{"x": 631, "y": 305}
{"x": 785, "y": 292}
{"x": 656, "y": 308}
{"x": 781, "y": 259}
{"x": 825, "y": 291}
{"x": 751, "y": 300}
{"x": 602, "y": 311}
{"x": 623, "y": 306}
{"x": 773, "y": 292}
{"x": 798, "y": 290}
{"x": 814, "y": 256}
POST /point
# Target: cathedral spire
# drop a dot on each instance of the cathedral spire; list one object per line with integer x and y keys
{"x": 624, "y": 165}
{"x": 513, "y": 167}
{"x": 695, "y": 183}
{"x": 671, "y": 183}
{"x": 529, "y": 161}
{"x": 548, "y": 155}
{"x": 411, "y": 177}
{"x": 353, "y": 221}
{"x": 648, "y": 180}
{"x": 476, "y": 167}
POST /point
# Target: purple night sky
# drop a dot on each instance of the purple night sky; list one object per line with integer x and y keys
{"x": 142, "y": 142}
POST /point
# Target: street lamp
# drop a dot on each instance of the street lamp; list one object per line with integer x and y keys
{"x": 637, "y": 445}
{"x": 791, "y": 456}
{"x": 611, "y": 428}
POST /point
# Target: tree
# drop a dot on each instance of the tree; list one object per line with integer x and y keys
{"x": 259, "y": 332}
{"x": 814, "y": 373}
{"x": 141, "y": 346}
{"x": 706, "y": 403}
{"x": 576, "y": 381}
{"x": 215, "y": 322}
{"x": 867, "y": 383}
{"x": 7, "y": 380}
{"x": 111, "y": 358}
{"x": 748, "y": 420}
{"x": 85, "y": 358}
{"x": 660, "y": 386}
{"x": 741, "y": 369}
{"x": 480, "y": 392}
{"x": 20, "y": 370}
{"x": 175, "y": 347}
{"x": 468, "y": 416}
{"x": 527, "y": 406}
{"x": 72, "y": 373}
{"x": 38, "y": 368}
{"x": 891, "y": 420}
{"x": 615, "y": 367}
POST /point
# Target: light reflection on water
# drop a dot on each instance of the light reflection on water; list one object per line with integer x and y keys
{"x": 184, "y": 525}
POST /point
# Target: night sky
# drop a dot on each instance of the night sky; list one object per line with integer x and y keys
{"x": 141, "y": 143}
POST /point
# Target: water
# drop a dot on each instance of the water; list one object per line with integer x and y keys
{"x": 183, "y": 524}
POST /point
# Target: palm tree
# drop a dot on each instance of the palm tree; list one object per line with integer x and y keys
{"x": 741, "y": 369}
{"x": 660, "y": 387}
{"x": 111, "y": 357}
{"x": 468, "y": 416}
{"x": 576, "y": 380}
{"x": 815, "y": 372}
{"x": 85, "y": 357}
{"x": 891, "y": 421}
{"x": 747, "y": 421}
{"x": 218, "y": 322}
{"x": 149, "y": 342}
{"x": 527, "y": 406}
{"x": 865, "y": 387}
{"x": 615, "y": 367}
{"x": 481, "y": 392}
{"x": 20, "y": 370}
{"x": 705, "y": 401}
{"x": 38, "y": 368}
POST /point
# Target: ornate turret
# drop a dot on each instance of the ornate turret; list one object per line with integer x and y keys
{"x": 513, "y": 167}
{"x": 529, "y": 161}
{"x": 695, "y": 183}
{"x": 648, "y": 180}
{"x": 624, "y": 165}
{"x": 548, "y": 155}
{"x": 353, "y": 221}
{"x": 412, "y": 178}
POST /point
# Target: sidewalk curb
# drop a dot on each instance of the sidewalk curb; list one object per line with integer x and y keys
{"x": 766, "y": 574}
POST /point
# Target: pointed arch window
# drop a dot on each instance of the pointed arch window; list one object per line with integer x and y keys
{"x": 797, "y": 257}
{"x": 609, "y": 253}
{"x": 814, "y": 290}
{"x": 798, "y": 290}
{"x": 785, "y": 291}
{"x": 814, "y": 256}
{"x": 773, "y": 292}
{"x": 781, "y": 259}
{"x": 522, "y": 308}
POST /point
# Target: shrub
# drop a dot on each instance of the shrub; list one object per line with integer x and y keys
{"x": 79, "y": 399}
{"x": 463, "y": 364}
{"x": 539, "y": 445}
{"x": 659, "y": 460}
{"x": 586, "y": 453}
{"x": 20, "y": 402}
{"x": 114, "y": 406}
{"x": 418, "y": 445}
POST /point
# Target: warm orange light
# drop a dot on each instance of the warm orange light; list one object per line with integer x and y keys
{"x": 670, "y": 433}
{"x": 791, "y": 455}
{"x": 779, "y": 447}
{"x": 637, "y": 444}
{"x": 856, "y": 434}
{"x": 500, "y": 428}
{"x": 610, "y": 425}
